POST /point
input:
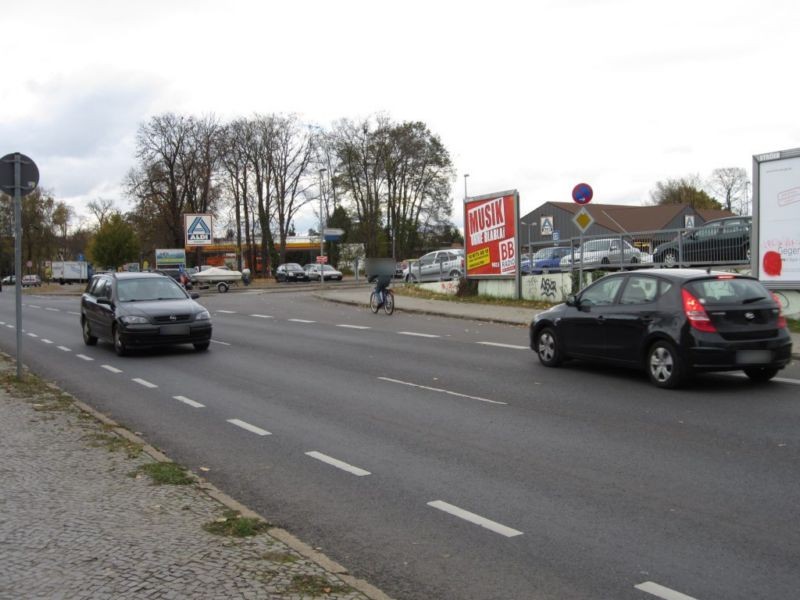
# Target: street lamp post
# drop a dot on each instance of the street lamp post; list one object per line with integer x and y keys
{"x": 321, "y": 231}
{"x": 465, "y": 185}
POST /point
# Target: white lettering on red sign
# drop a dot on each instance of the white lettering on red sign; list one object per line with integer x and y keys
{"x": 508, "y": 256}
{"x": 487, "y": 222}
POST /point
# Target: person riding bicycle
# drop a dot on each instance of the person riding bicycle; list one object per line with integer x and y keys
{"x": 381, "y": 285}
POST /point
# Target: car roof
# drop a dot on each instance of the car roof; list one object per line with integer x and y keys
{"x": 733, "y": 218}
{"x": 681, "y": 274}
{"x": 133, "y": 275}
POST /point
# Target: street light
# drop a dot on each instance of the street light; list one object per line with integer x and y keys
{"x": 321, "y": 232}
{"x": 465, "y": 185}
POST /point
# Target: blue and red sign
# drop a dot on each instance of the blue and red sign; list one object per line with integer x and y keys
{"x": 582, "y": 193}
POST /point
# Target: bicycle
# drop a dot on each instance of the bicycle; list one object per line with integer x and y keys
{"x": 388, "y": 302}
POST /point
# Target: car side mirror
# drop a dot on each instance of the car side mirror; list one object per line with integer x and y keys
{"x": 194, "y": 295}
{"x": 572, "y": 300}
{"x": 106, "y": 301}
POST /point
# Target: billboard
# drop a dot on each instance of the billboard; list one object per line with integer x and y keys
{"x": 170, "y": 257}
{"x": 198, "y": 230}
{"x": 491, "y": 235}
{"x": 776, "y": 218}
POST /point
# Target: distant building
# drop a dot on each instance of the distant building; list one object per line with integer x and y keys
{"x": 554, "y": 220}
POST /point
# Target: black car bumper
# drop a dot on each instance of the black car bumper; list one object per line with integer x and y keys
{"x": 725, "y": 355}
{"x": 165, "y": 335}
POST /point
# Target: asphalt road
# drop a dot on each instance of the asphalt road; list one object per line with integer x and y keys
{"x": 435, "y": 457}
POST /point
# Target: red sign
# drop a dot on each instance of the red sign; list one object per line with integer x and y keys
{"x": 490, "y": 235}
{"x": 322, "y": 260}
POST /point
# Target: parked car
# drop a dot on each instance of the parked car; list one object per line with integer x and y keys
{"x": 290, "y": 272}
{"x": 31, "y": 281}
{"x": 545, "y": 260}
{"x": 602, "y": 252}
{"x": 9, "y": 280}
{"x": 178, "y": 275}
{"x": 670, "y": 323}
{"x": 313, "y": 271}
{"x": 435, "y": 266}
{"x": 142, "y": 309}
{"x": 719, "y": 241}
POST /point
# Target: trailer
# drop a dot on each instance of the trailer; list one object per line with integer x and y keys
{"x": 70, "y": 271}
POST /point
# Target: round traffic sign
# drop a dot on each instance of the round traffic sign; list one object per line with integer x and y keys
{"x": 28, "y": 171}
{"x": 582, "y": 193}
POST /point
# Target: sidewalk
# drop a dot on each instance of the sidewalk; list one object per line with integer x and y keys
{"x": 80, "y": 519}
{"x": 464, "y": 310}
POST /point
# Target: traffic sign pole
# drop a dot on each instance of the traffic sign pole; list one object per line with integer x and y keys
{"x": 18, "y": 256}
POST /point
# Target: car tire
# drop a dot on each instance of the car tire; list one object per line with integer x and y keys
{"x": 605, "y": 261}
{"x": 670, "y": 259}
{"x": 119, "y": 346}
{"x": 634, "y": 260}
{"x": 664, "y": 365}
{"x": 547, "y": 348}
{"x": 761, "y": 374}
{"x": 88, "y": 338}
{"x": 455, "y": 275}
{"x": 202, "y": 346}
{"x": 222, "y": 287}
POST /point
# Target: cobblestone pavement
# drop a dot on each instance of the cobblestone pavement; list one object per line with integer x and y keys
{"x": 76, "y": 521}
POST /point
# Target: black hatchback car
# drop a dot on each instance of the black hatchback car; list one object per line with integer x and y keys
{"x": 671, "y": 323}
{"x": 290, "y": 272}
{"x": 142, "y": 309}
{"x": 717, "y": 242}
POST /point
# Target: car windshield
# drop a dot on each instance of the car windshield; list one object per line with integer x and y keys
{"x": 328, "y": 268}
{"x": 151, "y": 288}
{"x": 293, "y": 267}
{"x": 726, "y": 290}
{"x": 546, "y": 253}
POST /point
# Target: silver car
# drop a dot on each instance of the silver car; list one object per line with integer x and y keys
{"x": 436, "y": 266}
{"x": 605, "y": 251}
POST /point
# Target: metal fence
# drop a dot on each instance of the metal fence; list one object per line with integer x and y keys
{"x": 722, "y": 244}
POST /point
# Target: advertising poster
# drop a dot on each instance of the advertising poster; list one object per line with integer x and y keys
{"x": 199, "y": 231}
{"x": 170, "y": 257}
{"x": 490, "y": 234}
{"x": 778, "y": 220}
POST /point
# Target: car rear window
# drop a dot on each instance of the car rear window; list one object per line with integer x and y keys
{"x": 727, "y": 290}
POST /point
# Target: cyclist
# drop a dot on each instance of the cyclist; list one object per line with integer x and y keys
{"x": 381, "y": 284}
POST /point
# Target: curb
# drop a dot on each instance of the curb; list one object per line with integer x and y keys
{"x": 227, "y": 501}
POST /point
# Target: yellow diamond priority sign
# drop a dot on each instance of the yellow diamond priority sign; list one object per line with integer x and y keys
{"x": 583, "y": 220}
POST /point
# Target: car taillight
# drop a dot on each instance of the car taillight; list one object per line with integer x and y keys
{"x": 781, "y": 318}
{"x": 696, "y": 313}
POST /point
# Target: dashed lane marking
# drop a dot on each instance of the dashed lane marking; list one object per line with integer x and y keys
{"x": 337, "y": 463}
{"x": 64, "y": 348}
{"x": 262, "y": 316}
{"x": 144, "y": 382}
{"x": 355, "y": 326}
{"x": 10, "y": 326}
{"x": 46, "y": 341}
{"x": 112, "y": 369}
{"x": 425, "y": 335}
{"x": 188, "y": 401}
{"x": 497, "y": 345}
{"x": 441, "y": 391}
{"x": 301, "y": 321}
{"x": 655, "y": 589}
{"x": 475, "y": 519}
{"x": 33, "y": 335}
{"x": 53, "y": 309}
{"x": 226, "y": 312}
{"x": 248, "y": 427}
{"x": 84, "y": 357}
{"x": 780, "y": 379}
{"x": 33, "y": 306}
{"x": 71, "y": 312}
{"x": 220, "y": 343}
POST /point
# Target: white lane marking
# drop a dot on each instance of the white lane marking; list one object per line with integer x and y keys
{"x": 780, "y": 379}
{"x": 337, "y": 463}
{"x": 440, "y": 390}
{"x": 188, "y": 401}
{"x": 70, "y": 312}
{"x": 220, "y": 343}
{"x": 53, "y": 309}
{"x": 144, "y": 382}
{"x": 301, "y": 321}
{"x": 425, "y": 335}
{"x": 33, "y": 306}
{"x": 46, "y": 341}
{"x": 84, "y": 357}
{"x": 355, "y": 326}
{"x": 262, "y": 316}
{"x": 497, "y": 345}
{"x": 248, "y": 427}
{"x": 476, "y": 519}
{"x": 655, "y": 589}
{"x": 112, "y": 369}
{"x": 64, "y": 348}
{"x": 226, "y": 312}
{"x": 2, "y": 322}
{"x": 10, "y": 326}
{"x": 33, "y": 335}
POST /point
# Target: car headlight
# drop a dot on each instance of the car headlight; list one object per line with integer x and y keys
{"x": 202, "y": 316}
{"x": 134, "y": 320}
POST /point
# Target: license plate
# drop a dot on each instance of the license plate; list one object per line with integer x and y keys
{"x": 174, "y": 330}
{"x": 753, "y": 357}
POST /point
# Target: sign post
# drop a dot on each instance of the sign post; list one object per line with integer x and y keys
{"x": 582, "y": 194}
{"x": 19, "y": 174}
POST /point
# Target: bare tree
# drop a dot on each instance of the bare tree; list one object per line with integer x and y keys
{"x": 101, "y": 210}
{"x": 728, "y": 184}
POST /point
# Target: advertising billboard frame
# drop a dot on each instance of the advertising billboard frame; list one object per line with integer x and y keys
{"x": 469, "y": 203}
{"x": 764, "y": 196}
{"x": 190, "y": 221}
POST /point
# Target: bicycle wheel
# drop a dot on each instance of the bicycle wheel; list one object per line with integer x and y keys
{"x": 388, "y": 302}
{"x": 373, "y": 302}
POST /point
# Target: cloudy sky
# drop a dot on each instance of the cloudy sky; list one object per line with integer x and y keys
{"x": 535, "y": 95}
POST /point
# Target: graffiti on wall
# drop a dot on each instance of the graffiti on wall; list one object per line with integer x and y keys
{"x": 548, "y": 288}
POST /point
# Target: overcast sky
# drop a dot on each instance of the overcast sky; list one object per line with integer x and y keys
{"x": 536, "y": 96}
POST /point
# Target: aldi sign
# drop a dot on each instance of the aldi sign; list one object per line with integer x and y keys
{"x": 198, "y": 229}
